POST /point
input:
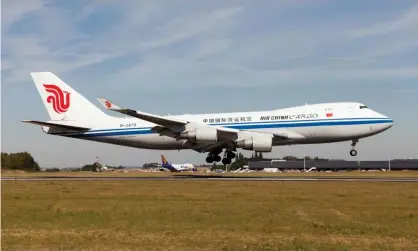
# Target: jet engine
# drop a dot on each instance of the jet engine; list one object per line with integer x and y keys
{"x": 257, "y": 143}
{"x": 201, "y": 135}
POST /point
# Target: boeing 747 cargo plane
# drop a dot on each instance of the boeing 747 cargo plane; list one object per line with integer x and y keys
{"x": 71, "y": 115}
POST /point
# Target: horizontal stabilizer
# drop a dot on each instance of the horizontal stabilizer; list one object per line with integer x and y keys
{"x": 57, "y": 125}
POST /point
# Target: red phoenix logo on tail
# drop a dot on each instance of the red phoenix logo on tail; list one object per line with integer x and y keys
{"x": 60, "y": 99}
{"x": 108, "y": 104}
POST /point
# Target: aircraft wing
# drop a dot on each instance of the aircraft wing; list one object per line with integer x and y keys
{"x": 156, "y": 119}
{"x": 163, "y": 122}
{"x": 166, "y": 124}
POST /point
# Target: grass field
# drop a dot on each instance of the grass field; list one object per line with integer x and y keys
{"x": 209, "y": 215}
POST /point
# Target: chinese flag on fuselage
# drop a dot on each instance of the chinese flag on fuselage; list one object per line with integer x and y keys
{"x": 329, "y": 115}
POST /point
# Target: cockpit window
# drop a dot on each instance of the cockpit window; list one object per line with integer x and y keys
{"x": 363, "y": 106}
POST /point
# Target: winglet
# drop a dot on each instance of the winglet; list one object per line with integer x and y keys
{"x": 109, "y": 105}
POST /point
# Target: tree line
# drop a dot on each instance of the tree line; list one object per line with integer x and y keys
{"x": 19, "y": 161}
{"x": 24, "y": 161}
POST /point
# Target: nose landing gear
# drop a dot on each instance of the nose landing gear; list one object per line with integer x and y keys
{"x": 353, "y": 151}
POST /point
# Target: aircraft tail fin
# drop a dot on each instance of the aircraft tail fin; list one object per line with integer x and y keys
{"x": 64, "y": 103}
{"x": 167, "y": 165}
{"x": 163, "y": 160}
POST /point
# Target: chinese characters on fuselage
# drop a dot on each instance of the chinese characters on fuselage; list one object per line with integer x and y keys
{"x": 228, "y": 120}
{"x": 262, "y": 118}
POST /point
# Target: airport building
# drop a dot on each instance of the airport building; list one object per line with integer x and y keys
{"x": 333, "y": 165}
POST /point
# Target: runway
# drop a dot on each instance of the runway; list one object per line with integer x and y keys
{"x": 213, "y": 178}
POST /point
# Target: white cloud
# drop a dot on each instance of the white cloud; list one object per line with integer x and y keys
{"x": 203, "y": 24}
{"x": 206, "y": 42}
{"x": 44, "y": 50}
{"x": 168, "y": 71}
{"x": 388, "y": 38}
{"x": 13, "y": 11}
{"x": 30, "y": 53}
{"x": 409, "y": 20}
{"x": 208, "y": 48}
{"x": 403, "y": 43}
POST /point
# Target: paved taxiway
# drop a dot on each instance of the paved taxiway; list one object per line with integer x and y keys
{"x": 217, "y": 178}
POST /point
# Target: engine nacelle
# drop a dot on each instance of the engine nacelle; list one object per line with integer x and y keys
{"x": 201, "y": 135}
{"x": 257, "y": 143}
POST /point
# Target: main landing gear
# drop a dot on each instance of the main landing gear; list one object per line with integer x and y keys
{"x": 353, "y": 151}
{"x": 211, "y": 158}
{"x": 227, "y": 158}
{"x": 214, "y": 156}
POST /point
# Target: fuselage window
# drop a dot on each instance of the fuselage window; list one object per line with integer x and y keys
{"x": 363, "y": 106}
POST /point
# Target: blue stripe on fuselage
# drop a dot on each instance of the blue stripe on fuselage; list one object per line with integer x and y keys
{"x": 242, "y": 126}
{"x": 247, "y": 123}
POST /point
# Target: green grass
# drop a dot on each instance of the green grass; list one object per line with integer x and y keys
{"x": 209, "y": 215}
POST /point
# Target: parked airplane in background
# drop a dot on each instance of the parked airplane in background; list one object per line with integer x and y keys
{"x": 74, "y": 116}
{"x": 176, "y": 167}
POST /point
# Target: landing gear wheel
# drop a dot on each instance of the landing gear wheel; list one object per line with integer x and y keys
{"x": 353, "y": 152}
{"x": 230, "y": 155}
{"x": 214, "y": 156}
{"x": 226, "y": 161}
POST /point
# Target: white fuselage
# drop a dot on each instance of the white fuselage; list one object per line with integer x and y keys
{"x": 345, "y": 121}
{"x": 182, "y": 166}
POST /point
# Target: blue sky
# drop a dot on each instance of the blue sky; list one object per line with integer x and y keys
{"x": 232, "y": 55}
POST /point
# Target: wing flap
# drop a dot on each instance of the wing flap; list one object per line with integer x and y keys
{"x": 57, "y": 125}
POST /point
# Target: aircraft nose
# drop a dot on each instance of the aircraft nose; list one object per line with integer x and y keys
{"x": 388, "y": 122}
